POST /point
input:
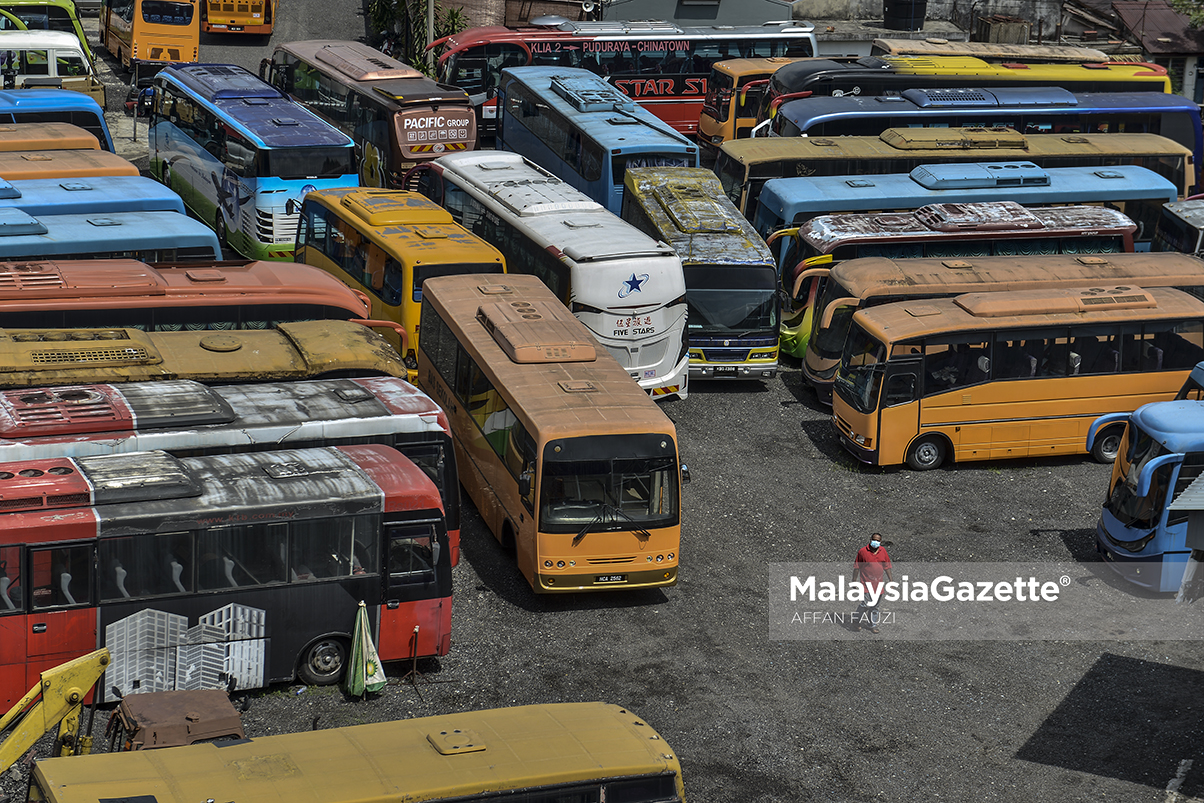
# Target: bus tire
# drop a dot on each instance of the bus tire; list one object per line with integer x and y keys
{"x": 926, "y": 454}
{"x": 1107, "y": 444}
{"x": 323, "y": 661}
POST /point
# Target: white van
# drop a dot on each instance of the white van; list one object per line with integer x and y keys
{"x": 47, "y": 59}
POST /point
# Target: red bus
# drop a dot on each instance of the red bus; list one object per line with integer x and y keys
{"x": 226, "y": 570}
{"x": 662, "y": 66}
{"x": 126, "y": 293}
{"x": 188, "y": 419}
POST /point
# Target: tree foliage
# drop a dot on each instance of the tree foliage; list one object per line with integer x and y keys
{"x": 1193, "y": 9}
{"x": 402, "y": 26}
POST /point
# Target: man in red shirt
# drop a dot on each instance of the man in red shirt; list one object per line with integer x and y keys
{"x": 869, "y": 567}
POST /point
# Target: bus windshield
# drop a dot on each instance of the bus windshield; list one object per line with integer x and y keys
{"x": 167, "y": 13}
{"x": 828, "y": 341}
{"x": 289, "y": 163}
{"x": 860, "y": 373}
{"x": 716, "y": 306}
{"x": 607, "y": 494}
{"x": 1130, "y": 509}
{"x": 424, "y": 272}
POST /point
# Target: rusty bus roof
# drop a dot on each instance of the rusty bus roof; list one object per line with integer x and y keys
{"x": 555, "y": 399}
{"x": 1100, "y": 304}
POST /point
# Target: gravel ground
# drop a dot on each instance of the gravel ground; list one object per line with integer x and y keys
{"x": 870, "y": 718}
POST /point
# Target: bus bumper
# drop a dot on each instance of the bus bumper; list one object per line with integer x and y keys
{"x": 1156, "y": 572}
{"x": 851, "y": 446}
{"x": 712, "y": 371}
{"x": 618, "y": 580}
{"x": 823, "y": 387}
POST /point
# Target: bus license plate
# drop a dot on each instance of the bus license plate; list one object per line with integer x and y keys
{"x": 725, "y": 369}
{"x": 611, "y": 578}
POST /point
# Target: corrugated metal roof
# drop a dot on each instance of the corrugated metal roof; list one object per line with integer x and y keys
{"x": 1161, "y": 29}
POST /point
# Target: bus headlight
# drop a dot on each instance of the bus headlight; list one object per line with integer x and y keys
{"x": 547, "y": 564}
{"x": 660, "y": 558}
{"x": 559, "y": 564}
{"x": 761, "y": 355}
{"x": 860, "y": 439}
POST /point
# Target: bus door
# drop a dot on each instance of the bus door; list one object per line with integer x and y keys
{"x": 899, "y": 407}
{"x": 414, "y": 592}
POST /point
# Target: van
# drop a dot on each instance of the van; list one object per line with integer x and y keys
{"x": 47, "y": 59}
{"x": 44, "y": 15}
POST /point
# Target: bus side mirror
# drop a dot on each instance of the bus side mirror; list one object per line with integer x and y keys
{"x": 685, "y": 473}
{"x": 524, "y": 484}
{"x": 436, "y": 549}
{"x": 984, "y": 365}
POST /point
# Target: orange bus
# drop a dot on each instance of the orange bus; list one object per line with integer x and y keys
{"x": 986, "y": 376}
{"x": 22, "y": 165}
{"x": 238, "y": 16}
{"x": 46, "y": 137}
{"x": 568, "y": 460}
{"x": 121, "y": 293}
{"x": 143, "y": 35}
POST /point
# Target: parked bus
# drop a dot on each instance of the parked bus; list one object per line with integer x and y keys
{"x": 397, "y": 116}
{"x": 744, "y": 166}
{"x": 385, "y": 244}
{"x": 230, "y": 16}
{"x": 81, "y": 420}
{"x": 55, "y": 106}
{"x": 990, "y": 51}
{"x": 1030, "y": 110}
{"x": 146, "y": 35}
{"x": 731, "y": 277}
{"x": 123, "y": 293}
{"x": 578, "y": 127}
{"x": 876, "y": 76}
{"x": 568, "y": 462}
{"x": 235, "y": 570}
{"x": 1159, "y": 452}
{"x": 949, "y": 231}
{"x": 662, "y": 66}
{"x": 46, "y": 136}
{"x": 49, "y": 59}
{"x": 45, "y": 15}
{"x": 627, "y": 288}
{"x": 242, "y": 155}
{"x": 35, "y": 164}
{"x": 849, "y": 286}
{"x": 302, "y": 350}
{"x": 985, "y": 376}
{"x": 145, "y": 236}
{"x": 602, "y": 752}
{"x": 90, "y": 195}
{"x": 1181, "y": 227}
{"x": 787, "y": 203}
{"x": 734, "y": 90}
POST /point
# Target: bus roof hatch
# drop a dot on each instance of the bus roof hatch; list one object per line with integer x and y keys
{"x": 585, "y": 95}
{"x": 984, "y": 175}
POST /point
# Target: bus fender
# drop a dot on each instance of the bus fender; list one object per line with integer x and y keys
{"x": 394, "y": 325}
{"x": 1101, "y": 423}
{"x": 1146, "y": 478}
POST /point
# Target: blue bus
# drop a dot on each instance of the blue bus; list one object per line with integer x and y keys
{"x": 583, "y": 130}
{"x": 82, "y": 196}
{"x": 55, "y": 106}
{"x": 785, "y": 203}
{"x": 1029, "y": 110}
{"x": 1160, "y": 452}
{"x": 242, "y": 154}
{"x": 145, "y": 236}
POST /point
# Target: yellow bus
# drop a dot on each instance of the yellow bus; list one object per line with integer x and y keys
{"x": 386, "y": 243}
{"x": 845, "y": 287}
{"x": 568, "y": 460}
{"x": 985, "y": 376}
{"x": 744, "y": 165}
{"x": 533, "y": 753}
{"x": 729, "y": 110}
{"x": 300, "y": 350}
{"x": 143, "y": 35}
{"x": 990, "y": 51}
{"x": 238, "y": 16}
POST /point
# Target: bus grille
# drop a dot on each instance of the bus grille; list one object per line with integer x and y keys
{"x": 609, "y": 561}
{"x": 92, "y": 355}
{"x": 638, "y": 356}
{"x": 276, "y": 228}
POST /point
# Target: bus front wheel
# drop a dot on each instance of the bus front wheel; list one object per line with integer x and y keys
{"x": 1107, "y": 444}
{"x": 926, "y": 454}
{"x": 322, "y": 663}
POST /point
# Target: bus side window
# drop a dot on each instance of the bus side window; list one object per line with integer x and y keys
{"x": 374, "y": 269}
{"x": 10, "y": 579}
{"x": 320, "y": 548}
{"x": 62, "y": 576}
{"x": 900, "y": 389}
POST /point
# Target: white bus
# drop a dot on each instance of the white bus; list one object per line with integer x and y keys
{"x": 626, "y": 287}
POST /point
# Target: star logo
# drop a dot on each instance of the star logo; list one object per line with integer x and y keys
{"x": 632, "y": 285}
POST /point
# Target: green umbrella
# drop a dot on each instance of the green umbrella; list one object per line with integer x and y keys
{"x": 365, "y": 673}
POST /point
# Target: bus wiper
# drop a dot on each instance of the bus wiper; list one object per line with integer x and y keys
{"x": 614, "y": 514}
{"x": 596, "y": 520}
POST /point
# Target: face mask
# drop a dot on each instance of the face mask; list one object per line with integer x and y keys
{"x": 875, "y": 544}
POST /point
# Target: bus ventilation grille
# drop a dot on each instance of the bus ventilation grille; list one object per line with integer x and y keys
{"x": 129, "y": 354}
